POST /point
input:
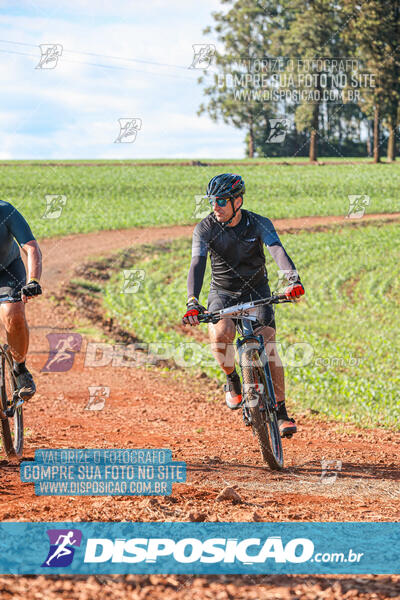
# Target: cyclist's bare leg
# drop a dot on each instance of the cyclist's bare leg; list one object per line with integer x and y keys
{"x": 221, "y": 336}
{"x": 12, "y": 315}
{"x": 275, "y": 363}
{"x": 14, "y": 321}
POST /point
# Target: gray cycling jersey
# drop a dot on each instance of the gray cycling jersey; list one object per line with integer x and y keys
{"x": 237, "y": 253}
{"x": 12, "y": 227}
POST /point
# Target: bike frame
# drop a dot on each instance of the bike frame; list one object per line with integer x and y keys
{"x": 16, "y": 400}
{"x": 247, "y": 334}
{"x": 244, "y": 315}
{"x": 259, "y": 400}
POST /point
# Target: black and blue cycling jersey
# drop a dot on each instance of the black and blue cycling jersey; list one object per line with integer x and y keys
{"x": 12, "y": 270}
{"x": 12, "y": 227}
{"x": 237, "y": 254}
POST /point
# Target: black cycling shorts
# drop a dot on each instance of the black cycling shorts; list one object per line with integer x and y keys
{"x": 219, "y": 299}
{"x": 12, "y": 278}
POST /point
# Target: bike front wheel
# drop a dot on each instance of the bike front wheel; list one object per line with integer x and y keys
{"x": 12, "y": 427}
{"x": 260, "y": 411}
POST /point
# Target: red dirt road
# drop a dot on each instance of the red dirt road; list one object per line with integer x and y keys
{"x": 62, "y": 255}
{"x": 150, "y": 408}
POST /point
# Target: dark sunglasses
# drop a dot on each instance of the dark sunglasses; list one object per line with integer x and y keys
{"x": 215, "y": 200}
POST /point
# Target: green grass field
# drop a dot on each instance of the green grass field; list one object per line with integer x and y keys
{"x": 340, "y": 344}
{"x": 114, "y": 197}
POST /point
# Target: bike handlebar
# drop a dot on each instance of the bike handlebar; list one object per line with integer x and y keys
{"x": 15, "y": 298}
{"x": 216, "y": 316}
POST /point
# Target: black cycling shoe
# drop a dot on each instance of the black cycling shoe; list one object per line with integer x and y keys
{"x": 25, "y": 384}
{"x": 286, "y": 425}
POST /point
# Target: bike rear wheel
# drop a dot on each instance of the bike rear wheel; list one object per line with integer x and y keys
{"x": 12, "y": 428}
{"x": 259, "y": 408}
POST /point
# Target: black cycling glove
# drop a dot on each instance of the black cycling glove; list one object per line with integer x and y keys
{"x": 32, "y": 288}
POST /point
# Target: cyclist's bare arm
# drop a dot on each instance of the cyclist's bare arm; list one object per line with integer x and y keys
{"x": 34, "y": 260}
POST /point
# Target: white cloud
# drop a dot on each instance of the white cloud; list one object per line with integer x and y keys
{"x": 72, "y": 110}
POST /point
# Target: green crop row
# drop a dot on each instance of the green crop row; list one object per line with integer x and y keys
{"x": 118, "y": 197}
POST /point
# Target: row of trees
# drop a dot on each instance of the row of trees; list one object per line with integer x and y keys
{"x": 366, "y": 33}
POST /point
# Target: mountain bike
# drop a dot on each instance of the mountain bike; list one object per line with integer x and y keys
{"x": 259, "y": 402}
{"x": 11, "y": 417}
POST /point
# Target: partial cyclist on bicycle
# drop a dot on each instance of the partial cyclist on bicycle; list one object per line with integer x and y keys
{"x": 235, "y": 237}
{"x": 13, "y": 280}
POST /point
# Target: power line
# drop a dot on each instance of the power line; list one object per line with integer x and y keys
{"x": 139, "y": 60}
{"x": 103, "y": 66}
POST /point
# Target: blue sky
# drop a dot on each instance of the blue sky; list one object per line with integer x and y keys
{"x": 72, "y": 110}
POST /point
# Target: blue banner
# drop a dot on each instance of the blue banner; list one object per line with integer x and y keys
{"x": 199, "y": 548}
{"x": 103, "y": 472}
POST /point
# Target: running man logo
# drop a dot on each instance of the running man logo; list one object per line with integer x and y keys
{"x": 54, "y": 206}
{"x": 133, "y": 279}
{"x": 357, "y": 205}
{"x": 330, "y": 470}
{"x": 202, "y": 55}
{"x": 62, "y": 547}
{"x": 277, "y": 130}
{"x": 202, "y": 207}
{"x": 128, "y": 129}
{"x": 285, "y": 278}
{"x": 50, "y": 53}
{"x": 98, "y": 395}
{"x": 252, "y": 393}
{"x": 63, "y": 347}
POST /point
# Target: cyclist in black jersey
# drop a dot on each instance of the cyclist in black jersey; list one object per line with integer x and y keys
{"x": 13, "y": 280}
{"x": 235, "y": 240}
